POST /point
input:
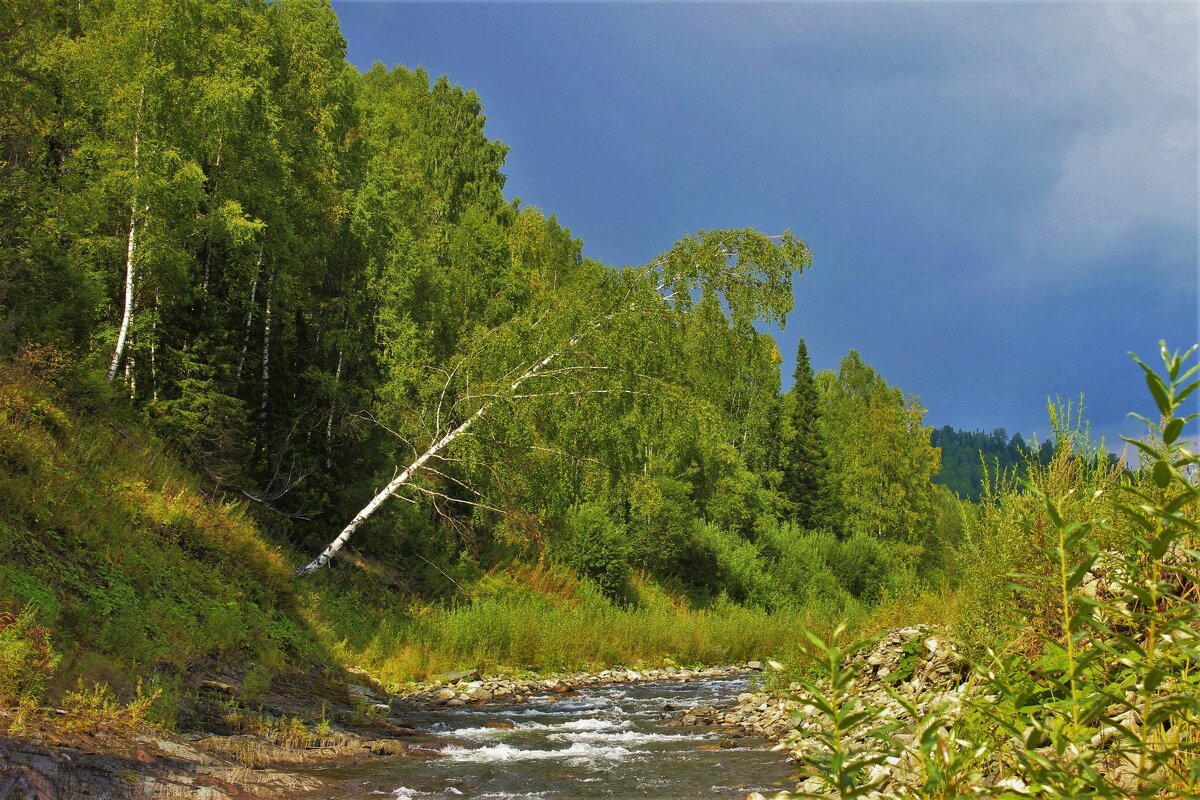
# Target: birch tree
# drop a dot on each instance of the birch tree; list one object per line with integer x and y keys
{"x": 750, "y": 272}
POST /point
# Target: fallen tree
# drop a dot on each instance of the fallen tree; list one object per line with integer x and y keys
{"x": 750, "y": 272}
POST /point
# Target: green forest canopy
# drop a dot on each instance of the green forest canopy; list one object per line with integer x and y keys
{"x": 302, "y": 274}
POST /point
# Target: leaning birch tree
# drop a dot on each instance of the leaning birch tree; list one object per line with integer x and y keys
{"x": 548, "y": 352}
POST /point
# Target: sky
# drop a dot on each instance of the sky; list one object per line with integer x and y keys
{"x": 1001, "y": 199}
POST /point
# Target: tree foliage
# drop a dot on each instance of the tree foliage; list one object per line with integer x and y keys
{"x": 307, "y": 276}
{"x": 880, "y": 457}
{"x": 805, "y": 469}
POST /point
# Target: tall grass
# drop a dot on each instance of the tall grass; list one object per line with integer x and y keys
{"x": 565, "y": 625}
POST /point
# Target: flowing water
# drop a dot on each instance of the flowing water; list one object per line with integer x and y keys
{"x": 619, "y": 741}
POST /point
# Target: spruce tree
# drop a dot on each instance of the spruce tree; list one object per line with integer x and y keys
{"x": 804, "y": 480}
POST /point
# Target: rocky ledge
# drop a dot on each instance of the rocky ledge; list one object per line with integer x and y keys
{"x": 471, "y": 688}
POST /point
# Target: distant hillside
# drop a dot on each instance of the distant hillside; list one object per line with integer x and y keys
{"x": 962, "y": 467}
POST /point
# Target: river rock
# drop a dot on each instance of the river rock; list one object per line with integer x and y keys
{"x": 500, "y": 725}
{"x": 361, "y": 693}
{"x": 218, "y": 687}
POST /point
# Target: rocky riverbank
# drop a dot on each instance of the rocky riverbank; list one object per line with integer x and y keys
{"x": 271, "y": 749}
{"x": 915, "y": 662}
{"x": 917, "y": 681}
{"x": 464, "y": 688}
{"x": 232, "y": 750}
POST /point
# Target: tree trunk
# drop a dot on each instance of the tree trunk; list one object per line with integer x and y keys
{"x": 405, "y": 476}
{"x": 266, "y": 361}
{"x": 130, "y": 247}
{"x": 337, "y": 378}
{"x": 249, "y": 315}
{"x": 387, "y": 492}
{"x": 127, "y": 315}
{"x": 153, "y": 352}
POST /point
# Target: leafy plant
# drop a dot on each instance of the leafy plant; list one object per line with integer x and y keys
{"x": 1098, "y": 695}
{"x": 26, "y": 656}
{"x": 98, "y": 708}
{"x": 849, "y": 739}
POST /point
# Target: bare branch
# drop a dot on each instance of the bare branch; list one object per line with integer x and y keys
{"x": 265, "y": 504}
{"x": 439, "y": 569}
{"x": 427, "y": 491}
{"x": 452, "y": 479}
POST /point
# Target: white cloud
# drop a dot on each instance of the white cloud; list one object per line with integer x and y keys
{"x": 1098, "y": 104}
{"x": 1136, "y": 176}
{"x": 1127, "y": 182}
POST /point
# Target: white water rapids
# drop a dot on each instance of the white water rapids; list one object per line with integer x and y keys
{"x": 619, "y": 741}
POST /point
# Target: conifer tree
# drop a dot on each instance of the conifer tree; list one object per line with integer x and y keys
{"x": 804, "y": 470}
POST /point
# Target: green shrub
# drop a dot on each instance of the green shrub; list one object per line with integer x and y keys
{"x": 26, "y": 657}
{"x": 863, "y": 566}
{"x": 737, "y": 502}
{"x": 596, "y": 547}
{"x": 1011, "y": 532}
{"x": 661, "y": 516}
{"x": 739, "y": 570}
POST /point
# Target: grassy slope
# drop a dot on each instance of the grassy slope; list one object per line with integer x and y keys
{"x": 138, "y": 572}
{"x": 126, "y": 559}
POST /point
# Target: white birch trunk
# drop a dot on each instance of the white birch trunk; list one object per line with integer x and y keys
{"x": 387, "y": 492}
{"x": 153, "y": 351}
{"x": 337, "y": 379}
{"x": 249, "y": 315}
{"x": 266, "y": 367}
{"x": 130, "y": 247}
{"x": 405, "y": 476}
{"x": 127, "y": 315}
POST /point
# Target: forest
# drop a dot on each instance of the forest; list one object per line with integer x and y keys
{"x": 301, "y": 277}
{"x": 253, "y": 301}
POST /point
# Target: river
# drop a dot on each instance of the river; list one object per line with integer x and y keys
{"x": 619, "y": 741}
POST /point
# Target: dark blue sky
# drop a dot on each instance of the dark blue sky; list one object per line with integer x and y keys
{"x": 1001, "y": 199}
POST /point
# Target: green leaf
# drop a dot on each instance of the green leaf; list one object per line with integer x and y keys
{"x": 1186, "y": 392}
{"x": 1158, "y": 389}
{"x": 1172, "y": 431}
{"x": 1154, "y": 677}
{"x": 1074, "y": 533}
{"x": 1162, "y": 474}
{"x": 1052, "y": 511}
{"x": 1080, "y": 571}
{"x": 1162, "y": 544}
{"x": 1140, "y": 445}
